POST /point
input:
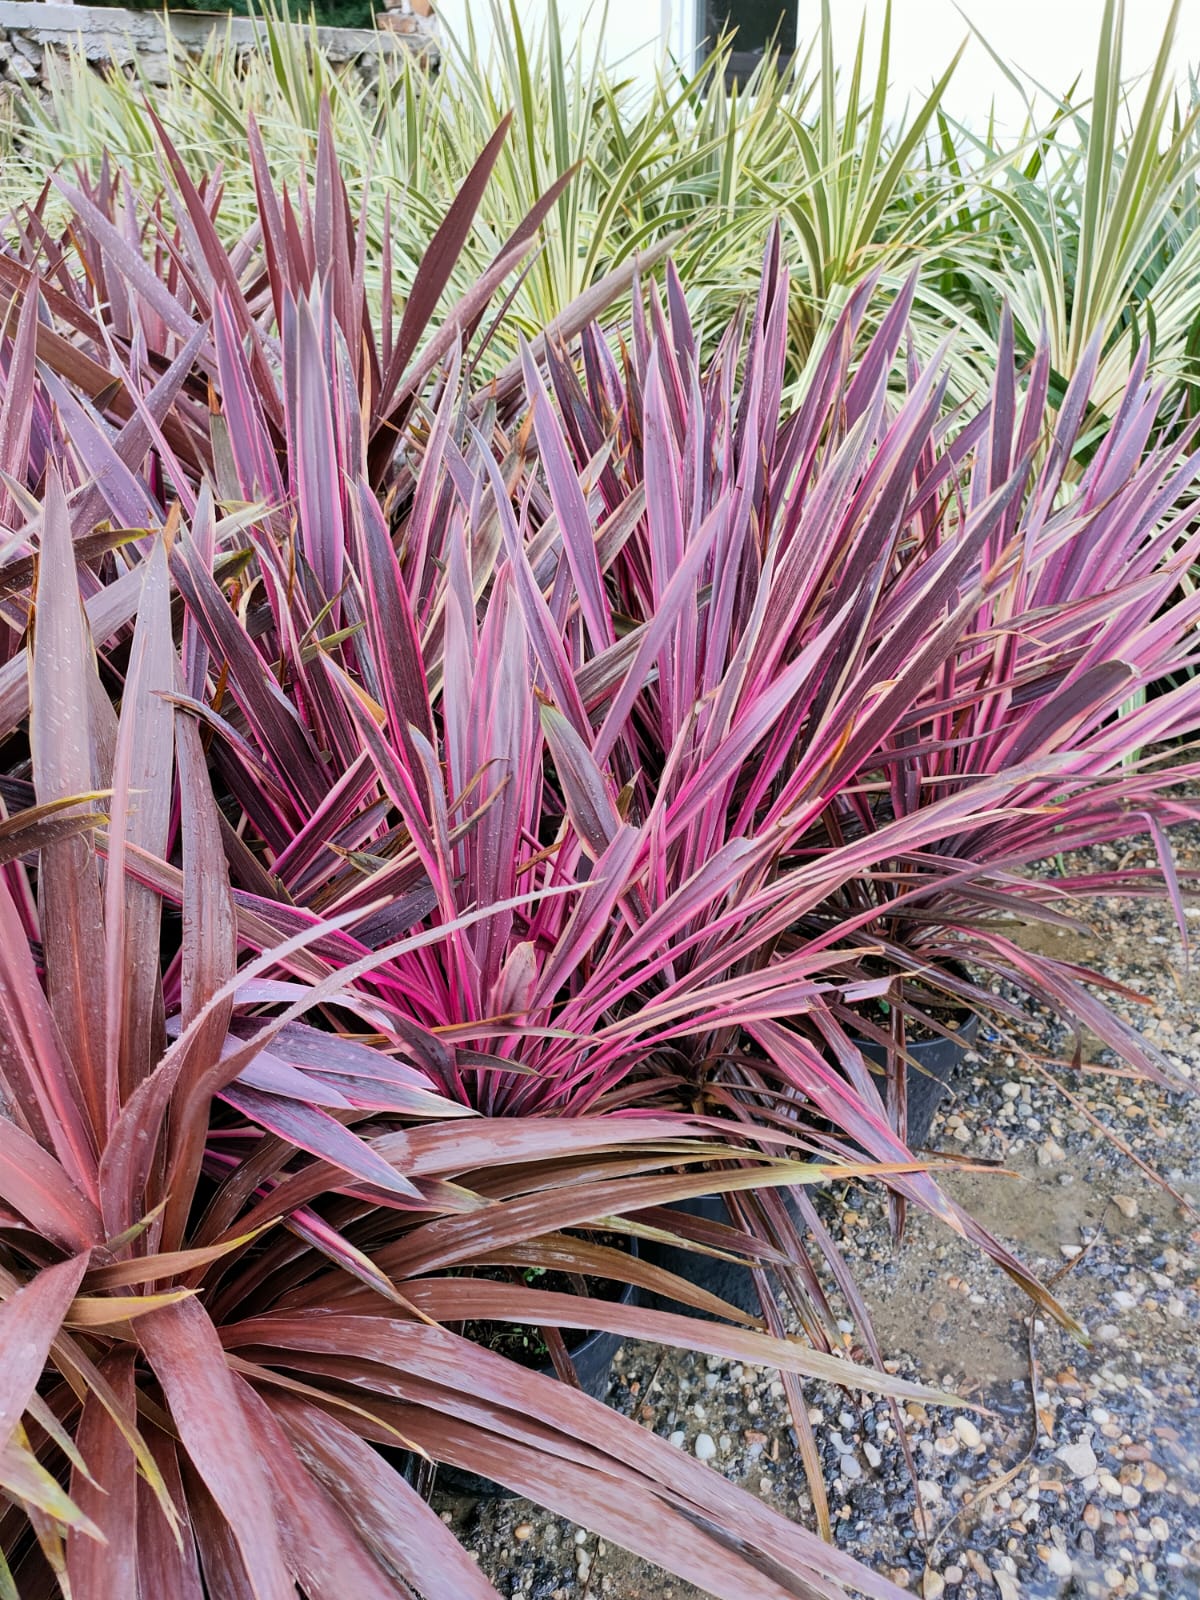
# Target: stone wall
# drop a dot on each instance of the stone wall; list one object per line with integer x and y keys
{"x": 109, "y": 36}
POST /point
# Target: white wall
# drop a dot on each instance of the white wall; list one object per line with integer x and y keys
{"x": 1053, "y": 40}
{"x": 632, "y": 35}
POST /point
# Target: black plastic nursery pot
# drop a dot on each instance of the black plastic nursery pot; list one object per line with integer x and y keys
{"x": 728, "y": 1279}
{"x": 934, "y": 1062}
{"x": 932, "y": 1067}
{"x": 592, "y": 1359}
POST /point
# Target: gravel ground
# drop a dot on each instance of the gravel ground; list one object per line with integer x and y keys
{"x": 1080, "y": 1474}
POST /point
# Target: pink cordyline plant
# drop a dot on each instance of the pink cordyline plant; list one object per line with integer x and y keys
{"x": 219, "y": 1124}
{"x": 445, "y": 823}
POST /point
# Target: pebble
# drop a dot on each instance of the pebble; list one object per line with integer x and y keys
{"x": 523, "y": 1531}
{"x": 1078, "y": 1458}
{"x": 1126, "y": 1205}
{"x": 705, "y": 1447}
{"x": 967, "y": 1432}
{"x": 933, "y": 1585}
{"x": 1154, "y": 1479}
{"x": 849, "y": 1467}
{"x": 1059, "y": 1562}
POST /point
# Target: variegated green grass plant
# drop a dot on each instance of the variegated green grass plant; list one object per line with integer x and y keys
{"x": 1084, "y": 216}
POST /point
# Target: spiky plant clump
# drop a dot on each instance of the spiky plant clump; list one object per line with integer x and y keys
{"x": 450, "y": 815}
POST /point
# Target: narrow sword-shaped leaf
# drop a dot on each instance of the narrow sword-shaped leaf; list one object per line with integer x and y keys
{"x": 182, "y": 1347}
